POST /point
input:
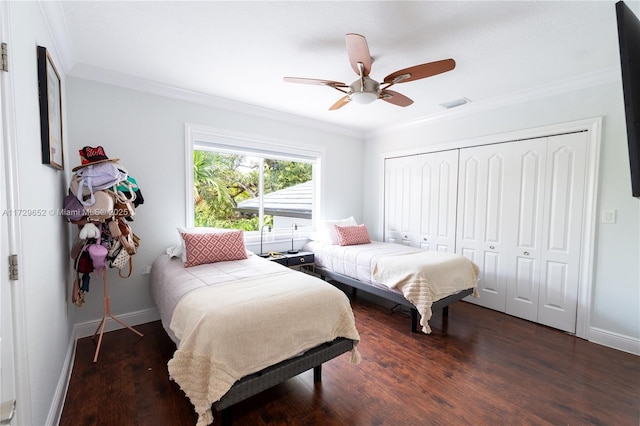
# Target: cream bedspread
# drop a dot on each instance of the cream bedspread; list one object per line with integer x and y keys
{"x": 231, "y": 330}
{"x": 432, "y": 276}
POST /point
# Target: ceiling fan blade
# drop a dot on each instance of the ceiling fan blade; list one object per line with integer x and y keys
{"x": 314, "y": 81}
{"x": 420, "y": 71}
{"x": 341, "y": 102}
{"x": 358, "y": 51}
{"x": 395, "y": 98}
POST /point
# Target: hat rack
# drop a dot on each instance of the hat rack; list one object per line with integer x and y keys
{"x": 101, "y": 202}
{"x": 107, "y": 313}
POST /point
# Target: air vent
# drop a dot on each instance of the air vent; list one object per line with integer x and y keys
{"x": 455, "y": 103}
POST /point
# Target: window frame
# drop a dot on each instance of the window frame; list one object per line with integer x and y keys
{"x": 223, "y": 140}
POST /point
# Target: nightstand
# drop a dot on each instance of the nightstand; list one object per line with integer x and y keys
{"x": 297, "y": 261}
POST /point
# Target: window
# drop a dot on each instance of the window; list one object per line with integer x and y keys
{"x": 240, "y": 182}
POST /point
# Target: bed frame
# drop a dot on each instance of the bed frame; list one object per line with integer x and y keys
{"x": 393, "y": 296}
{"x": 271, "y": 376}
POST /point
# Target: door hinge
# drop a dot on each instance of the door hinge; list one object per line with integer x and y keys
{"x": 13, "y": 267}
{"x": 5, "y": 58}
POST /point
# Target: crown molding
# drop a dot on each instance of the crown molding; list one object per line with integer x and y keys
{"x": 580, "y": 82}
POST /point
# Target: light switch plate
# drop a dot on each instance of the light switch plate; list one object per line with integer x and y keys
{"x": 608, "y": 216}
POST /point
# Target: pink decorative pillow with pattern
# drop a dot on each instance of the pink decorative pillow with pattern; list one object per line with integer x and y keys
{"x": 352, "y": 235}
{"x": 213, "y": 247}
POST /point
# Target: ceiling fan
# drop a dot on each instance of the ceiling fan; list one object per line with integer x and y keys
{"x": 365, "y": 89}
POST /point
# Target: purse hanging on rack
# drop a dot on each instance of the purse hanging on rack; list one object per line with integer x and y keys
{"x": 120, "y": 259}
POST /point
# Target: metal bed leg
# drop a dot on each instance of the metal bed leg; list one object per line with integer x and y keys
{"x": 317, "y": 374}
{"x": 414, "y": 320}
{"x": 227, "y": 416}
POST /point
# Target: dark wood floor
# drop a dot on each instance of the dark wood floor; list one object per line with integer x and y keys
{"x": 478, "y": 367}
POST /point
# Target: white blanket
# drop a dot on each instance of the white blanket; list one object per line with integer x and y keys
{"x": 232, "y": 330}
{"x": 426, "y": 276}
{"x": 170, "y": 281}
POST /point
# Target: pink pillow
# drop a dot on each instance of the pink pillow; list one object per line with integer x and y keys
{"x": 213, "y": 247}
{"x": 352, "y": 235}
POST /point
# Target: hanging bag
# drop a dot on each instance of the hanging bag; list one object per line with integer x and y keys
{"x": 126, "y": 237}
{"x": 103, "y": 207}
{"x": 119, "y": 257}
{"x": 125, "y": 191}
{"x": 98, "y": 253}
{"x": 95, "y": 177}
{"x": 73, "y": 209}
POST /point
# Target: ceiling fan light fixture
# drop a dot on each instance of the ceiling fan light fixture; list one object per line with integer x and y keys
{"x": 364, "y": 90}
{"x": 363, "y": 97}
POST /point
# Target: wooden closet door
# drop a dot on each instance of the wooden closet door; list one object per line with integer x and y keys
{"x": 481, "y": 228}
{"x": 525, "y": 194}
{"x": 436, "y": 175}
{"x": 562, "y": 231}
{"x": 397, "y": 202}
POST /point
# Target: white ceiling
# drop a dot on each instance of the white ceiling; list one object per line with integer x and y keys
{"x": 240, "y": 50}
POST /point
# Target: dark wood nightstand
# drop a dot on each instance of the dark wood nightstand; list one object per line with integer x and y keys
{"x": 298, "y": 260}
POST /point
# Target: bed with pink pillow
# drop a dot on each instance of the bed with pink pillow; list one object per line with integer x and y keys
{"x": 242, "y": 323}
{"x": 421, "y": 280}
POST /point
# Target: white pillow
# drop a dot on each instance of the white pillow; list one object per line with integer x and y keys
{"x": 175, "y": 251}
{"x": 327, "y": 229}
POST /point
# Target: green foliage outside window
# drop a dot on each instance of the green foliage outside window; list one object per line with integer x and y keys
{"x": 221, "y": 181}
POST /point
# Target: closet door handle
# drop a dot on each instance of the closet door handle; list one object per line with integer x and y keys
{"x": 526, "y": 253}
{"x": 492, "y": 247}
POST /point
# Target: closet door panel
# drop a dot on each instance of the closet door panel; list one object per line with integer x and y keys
{"x": 562, "y": 231}
{"x": 397, "y": 200}
{"x": 494, "y": 199}
{"x": 468, "y": 194}
{"x": 523, "y": 290}
{"x": 480, "y": 222}
{"x": 440, "y": 235}
{"x": 491, "y": 263}
{"x": 405, "y": 203}
{"x": 526, "y": 195}
{"x": 530, "y": 195}
{"x": 428, "y": 203}
{"x": 446, "y": 189}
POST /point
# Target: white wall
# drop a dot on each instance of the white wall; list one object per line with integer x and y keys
{"x": 147, "y": 133}
{"x": 43, "y": 265}
{"x": 615, "y": 312}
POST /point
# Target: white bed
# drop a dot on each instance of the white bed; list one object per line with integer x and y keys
{"x": 236, "y": 322}
{"x": 422, "y": 280}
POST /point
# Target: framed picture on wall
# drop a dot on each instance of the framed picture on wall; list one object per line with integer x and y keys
{"x": 50, "y": 93}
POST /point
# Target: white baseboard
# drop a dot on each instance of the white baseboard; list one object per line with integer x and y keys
{"x": 88, "y": 328}
{"x": 57, "y": 404}
{"x": 614, "y": 340}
